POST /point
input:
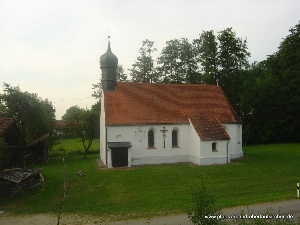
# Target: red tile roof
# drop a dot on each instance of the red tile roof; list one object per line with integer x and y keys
{"x": 206, "y": 106}
{"x": 60, "y": 124}
{"x": 4, "y": 124}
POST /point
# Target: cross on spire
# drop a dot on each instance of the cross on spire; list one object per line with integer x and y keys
{"x": 108, "y": 37}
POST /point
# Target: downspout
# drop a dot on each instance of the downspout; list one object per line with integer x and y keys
{"x": 106, "y": 149}
{"x": 227, "y": 152}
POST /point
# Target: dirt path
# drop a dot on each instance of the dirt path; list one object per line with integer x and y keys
{"x": 291, "y": 207}
{"x": 49, "y": 219}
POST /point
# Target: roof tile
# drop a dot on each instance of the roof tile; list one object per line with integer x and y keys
{"x": 142, "y": 103}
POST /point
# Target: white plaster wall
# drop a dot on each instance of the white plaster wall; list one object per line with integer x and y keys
{"x": 194, "y": 146}
{"x": 139, "y": 153}
{"x": 102, "y": 133}
{"x": 209, "y": 157}
{"x": 235, "y": 143}
{"x": 191, "y": 148}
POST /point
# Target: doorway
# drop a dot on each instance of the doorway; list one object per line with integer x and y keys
{"x": 119, "y": 157}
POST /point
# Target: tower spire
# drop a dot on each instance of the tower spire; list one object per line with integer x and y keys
{"x": 108, "y": 66}
{"x": 108, "y": 38}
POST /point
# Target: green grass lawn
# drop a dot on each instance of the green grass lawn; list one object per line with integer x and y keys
{"x": 267, "y": 173}
{"x": 72, "y": 145}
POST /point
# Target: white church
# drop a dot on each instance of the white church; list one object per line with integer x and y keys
{"x": 144, "y": 123}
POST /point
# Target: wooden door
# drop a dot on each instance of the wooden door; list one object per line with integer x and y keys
{"x": 119, "y": 157}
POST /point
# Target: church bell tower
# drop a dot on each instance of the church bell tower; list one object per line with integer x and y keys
{"x": 108, "y": 66}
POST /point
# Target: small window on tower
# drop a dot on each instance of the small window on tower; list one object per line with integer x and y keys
{"x": 214, "y": 146}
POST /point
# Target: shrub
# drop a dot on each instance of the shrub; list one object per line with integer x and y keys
{"x": 204, "y": 211}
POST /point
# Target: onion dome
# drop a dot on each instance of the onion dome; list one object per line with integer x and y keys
{"x": 108, "y": 58}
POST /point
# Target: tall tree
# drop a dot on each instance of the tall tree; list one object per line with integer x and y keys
{"x": 169, "y": 63}
{"x": 189, "y": 65}
{"x": 207, "y": 55}
{"x": 143, "y": 69}
{"x": 35, "y": 116}
{"x": 270, "y": 95}
{"x": 177, "y": 62}
{"x": 232, "y": 62}
{"x": 284, "y": 66}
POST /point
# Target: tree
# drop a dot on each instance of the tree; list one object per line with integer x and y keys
{"x": 83, "y": 123}
{"x": 270, "y": 95}
{"x": 34, "y": 116}
{"x": 97, "y": 90}
{"x": 88, "y": 126}
{"x": 284, "y": 67}
{"x": 177, "y": 62}
{"x": 143, "y": 69}
{"x": 121, "y": 76}
{"x": 207, "y": 55}
{"x": 232, "y": 62}
{"x": 73, "y": 114}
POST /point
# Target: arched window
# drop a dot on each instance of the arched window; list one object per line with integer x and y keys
{"x": 175, "y": 138}
{"x": 151, "y": 139}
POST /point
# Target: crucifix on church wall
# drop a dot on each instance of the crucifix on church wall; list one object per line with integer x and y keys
{"x": 164, "y": 131}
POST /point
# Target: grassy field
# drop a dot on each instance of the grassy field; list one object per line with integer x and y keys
{"x": 267, "y": 173}
{"x": 72, "y": 145}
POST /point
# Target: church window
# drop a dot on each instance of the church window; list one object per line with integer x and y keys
{"x": 151, "y": 139}
{"x": 175, "y": 138}
{"x": 214, "y": 146}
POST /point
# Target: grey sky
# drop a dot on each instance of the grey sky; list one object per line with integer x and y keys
{"x": 52, "y": 48}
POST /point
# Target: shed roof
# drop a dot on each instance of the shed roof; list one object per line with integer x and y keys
{"x": 4, "y": 124}
{"x": 205, "y": 106}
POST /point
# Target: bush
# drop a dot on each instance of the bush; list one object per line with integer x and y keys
{"x": 204, "y": 211}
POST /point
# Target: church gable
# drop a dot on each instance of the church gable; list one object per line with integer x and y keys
{"x": 205, "y": 106}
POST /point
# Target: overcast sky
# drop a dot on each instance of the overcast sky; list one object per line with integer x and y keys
{"x": 52, "y": 48}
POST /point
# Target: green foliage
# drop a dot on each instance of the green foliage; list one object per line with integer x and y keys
{"x": 177, "y": 63}
{"x": 207, "y": 55}
{"x": 143, "y": 69}
{"x": 73, "y": 114}
{"x": 23, "y": 107}
{"x": 223, "y": 60}
{"x": 204, "y": 211}
{"x": 269, "y": 102}
{"x": 83, "y": 123}
{"x": 121, "y": 76}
